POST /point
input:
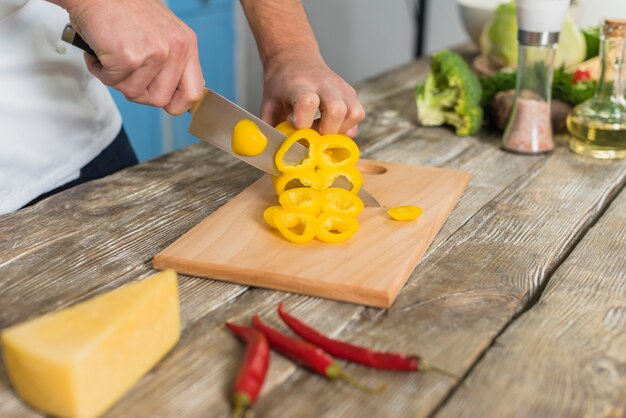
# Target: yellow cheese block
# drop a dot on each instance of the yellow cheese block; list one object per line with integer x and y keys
{"x": 79, "y": 361}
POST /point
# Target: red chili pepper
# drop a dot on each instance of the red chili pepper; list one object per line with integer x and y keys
{"x": 581, "y": 74}
{"x": 253, "y": 368}
{"x": 307, "y": 355}
{"x": 355, "y": 353}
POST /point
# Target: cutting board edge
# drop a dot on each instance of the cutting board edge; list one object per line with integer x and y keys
{"x": 347, "y": 293}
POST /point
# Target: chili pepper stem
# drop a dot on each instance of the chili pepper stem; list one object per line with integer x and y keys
{"x": 426, "y": 366}
{"x": 336, "y": 372}
{"x": 240, "y": 403}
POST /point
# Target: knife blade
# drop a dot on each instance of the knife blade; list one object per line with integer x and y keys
{"x": 213, "y": 119}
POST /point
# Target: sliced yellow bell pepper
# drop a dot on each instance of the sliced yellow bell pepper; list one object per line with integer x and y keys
{"x": 247, "y": 139}
{"x": 296, "y": 227}
{"x": 335, "y": 228}
{"x": 405, "y": 213}
{"x": 303, "y": 199}
{"x": 268, "y": 215}
{"x": 286, "y": 128}
{"x": 337, "y": 151}
{"x": 340, "y": 202}
{"x": 327, "y": 177}
{"x": 294, "y": 179}
{"x": 307, "y": 137}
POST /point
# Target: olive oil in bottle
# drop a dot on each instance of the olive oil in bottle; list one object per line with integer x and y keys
{"x": 598, "y": 125}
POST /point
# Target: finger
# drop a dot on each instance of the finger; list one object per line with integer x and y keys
{"x": 352, "y": 132}
{"x": 354, "y": 115}
{"x": 94, "y": 66}
{"x": 305, "y": 103}
{"x": 333, "y": 110}
{"x": 135, "y": 86}
{"x": 189, "y": 89}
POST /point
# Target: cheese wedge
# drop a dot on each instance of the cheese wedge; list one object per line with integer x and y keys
{"x": 79, "y": 361}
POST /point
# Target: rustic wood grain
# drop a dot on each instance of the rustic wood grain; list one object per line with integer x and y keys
{"x": 464, "y": 293}
{"x": 566, "y": 357}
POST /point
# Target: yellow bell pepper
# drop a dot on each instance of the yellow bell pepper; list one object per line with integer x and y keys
{"x": 327, "y": 177}
{"x": 341, "y": 202}
{"x": 335, "y": 228}
{"x": 301, "y": 199}
{"x": 286, "y": 128}
{"x": 247, "y": 139}
{"x": 268, "y": 215}
{"x": 307, "y": 137}
{"x": 296, "y": 227}
{"x": 297, "y": 178}
{"x": 405, "y": 213}
{"x": 337, "y": 151}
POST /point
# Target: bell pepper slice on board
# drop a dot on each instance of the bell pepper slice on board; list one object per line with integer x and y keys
{"x": 327, "y": 178}
{"x": 268, "y": 215}
{"x": 296, "y": 227}
{"x": 335, "y": 228}
{"x": 404, "y": 213}
{"x": 308, "y": 138}
{"x": 337, "y": 151}
{"x": 294, "y": 179}
{"x": 303, "y": 199}
{"x": 341, "y": 202}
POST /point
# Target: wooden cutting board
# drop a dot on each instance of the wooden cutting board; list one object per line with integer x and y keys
{"x": 234, "y": 243}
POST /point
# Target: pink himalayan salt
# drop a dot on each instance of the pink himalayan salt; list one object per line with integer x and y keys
{"x": 530, "y": 129}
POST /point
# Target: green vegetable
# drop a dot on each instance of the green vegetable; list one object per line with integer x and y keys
{"x": 563, "y": 88}
{"x": 450, "y": 95}
{"x": 592, "y": 37}
{"x": 498, "y": 42}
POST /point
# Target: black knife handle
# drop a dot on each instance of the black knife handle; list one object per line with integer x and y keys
{"x": 71, "y": 36}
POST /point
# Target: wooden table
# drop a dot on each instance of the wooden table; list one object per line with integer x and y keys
{"x": 522, "y": 294}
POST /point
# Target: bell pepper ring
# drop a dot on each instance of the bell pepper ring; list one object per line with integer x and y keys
{"x": 268, "y": 215}
{"x": 307, "y": 137}
{"x": 337, "y": 151}
{"x": 335, "y": 228}
{"x": 286, "y": 128}
{"x": 296, "y": 227}
{"x": 340, "y": 201}
{"x": 405, "y": 213}
{"x": 303, "y": 199}
{"x": 295, "y": 179}
{"x": 328, "y": 176}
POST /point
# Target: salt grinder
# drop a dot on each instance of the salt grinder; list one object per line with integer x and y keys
{"x": 529, "y": 129}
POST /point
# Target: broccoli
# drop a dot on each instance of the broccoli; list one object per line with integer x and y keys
{"x": 450, "y": 95}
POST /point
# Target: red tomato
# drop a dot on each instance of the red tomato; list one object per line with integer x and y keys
{"x": 581, "y": 74}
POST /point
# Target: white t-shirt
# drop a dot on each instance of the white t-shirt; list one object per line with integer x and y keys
{"x": 55, "y": 116}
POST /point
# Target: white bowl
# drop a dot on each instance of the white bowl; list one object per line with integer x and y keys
{"x": 475, "y": 14}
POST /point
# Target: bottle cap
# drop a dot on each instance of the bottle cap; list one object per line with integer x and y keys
{"x": 614, "y": 28}
{"x": 541, "y": 15}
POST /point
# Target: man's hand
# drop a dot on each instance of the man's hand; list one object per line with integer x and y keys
{"x": 297, "y": 84}
{"x": 143, "y": 50}
{"x": 297, "y": 80}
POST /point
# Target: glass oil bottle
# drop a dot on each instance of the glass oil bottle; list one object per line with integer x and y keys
{"x": 598, "y": 125}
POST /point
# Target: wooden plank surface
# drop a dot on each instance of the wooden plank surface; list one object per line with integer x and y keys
{"x": 565, "y": 357}
{"x": 465, "y": 292}
{"x": 517, "y": 222}
{"x": 235, "y": 244}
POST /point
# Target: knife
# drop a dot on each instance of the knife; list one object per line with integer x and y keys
{"x": 213, "y": 118}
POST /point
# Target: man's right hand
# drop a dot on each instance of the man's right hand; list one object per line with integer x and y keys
{"x": 143, "y": 50}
